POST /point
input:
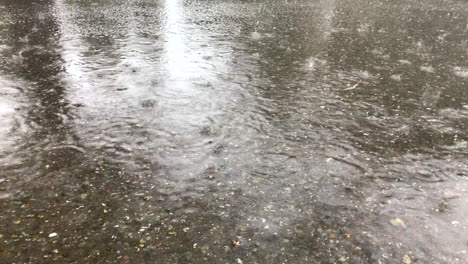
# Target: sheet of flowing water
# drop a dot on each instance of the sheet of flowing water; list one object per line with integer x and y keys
{"x": 177, "y": 131}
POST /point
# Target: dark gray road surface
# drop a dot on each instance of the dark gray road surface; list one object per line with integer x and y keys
{"x": 228, "y": 131}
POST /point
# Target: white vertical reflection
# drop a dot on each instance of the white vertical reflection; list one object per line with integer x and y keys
{"x": 176, "y": 49}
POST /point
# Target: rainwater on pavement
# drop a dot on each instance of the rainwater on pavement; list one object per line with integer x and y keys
{"x": 233, "y": 131}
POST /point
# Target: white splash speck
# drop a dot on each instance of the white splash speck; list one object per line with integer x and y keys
{"x": 396, "y": 77}
{"x": 427, "y": 69}
{"x": 314, "y": 63}
{"x": 461, "y": 72}
{"x": 256, "y": 36}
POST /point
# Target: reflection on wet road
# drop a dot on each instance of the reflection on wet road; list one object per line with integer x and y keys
{"x": 183, "y": 131}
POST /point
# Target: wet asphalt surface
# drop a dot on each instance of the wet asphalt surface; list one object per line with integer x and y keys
{"x": 177, "y": 131}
